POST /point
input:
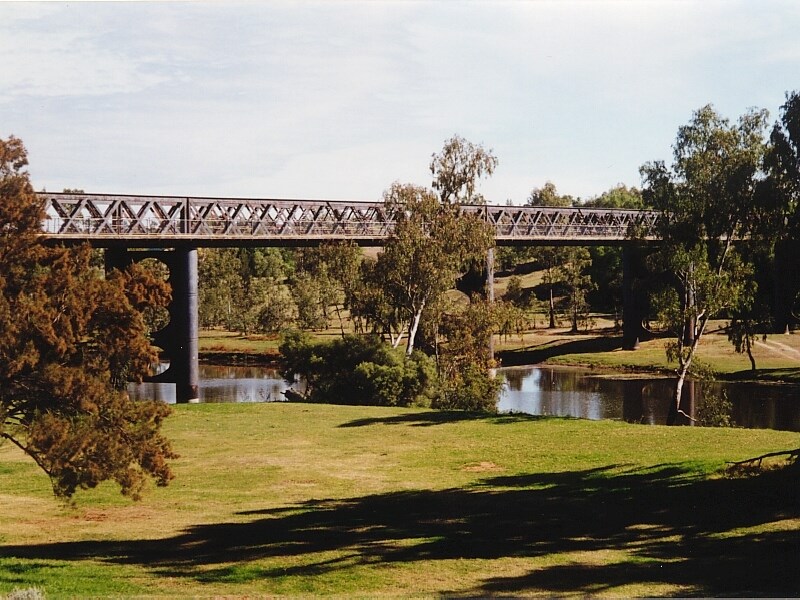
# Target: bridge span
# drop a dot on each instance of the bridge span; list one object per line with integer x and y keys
{"x": 170, "y": 221}
{"x": 171, "y": 228}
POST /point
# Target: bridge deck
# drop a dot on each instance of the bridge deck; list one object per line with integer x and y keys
{"x": 169, "y": 221}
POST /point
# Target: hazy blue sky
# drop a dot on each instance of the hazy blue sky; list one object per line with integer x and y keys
{"x": 339, "y": 99}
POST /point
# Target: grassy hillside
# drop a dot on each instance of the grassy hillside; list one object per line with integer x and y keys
{"x": 294, "y": 499}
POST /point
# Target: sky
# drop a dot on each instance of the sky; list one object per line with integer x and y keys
{"x": 338, "y": 100}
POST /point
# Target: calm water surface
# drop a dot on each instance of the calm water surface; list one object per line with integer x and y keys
{"x": 222, "y": 384}
{"x": 592, "y": 395}
{"x": 539, "y": 391}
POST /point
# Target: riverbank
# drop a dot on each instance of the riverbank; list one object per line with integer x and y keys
{"x": 282, "y": 499}
{"x": 243, "y": 359}
{"x": 777, "y": 356}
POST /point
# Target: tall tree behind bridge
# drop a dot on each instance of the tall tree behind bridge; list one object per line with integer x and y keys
{"x": 69, "y": 340}
{"x": 552, "y": 259}
{"x": 708, "y": 200}
{"x": 457, "y": 169}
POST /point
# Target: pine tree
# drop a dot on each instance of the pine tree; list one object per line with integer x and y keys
{"x": 69, "y": 340}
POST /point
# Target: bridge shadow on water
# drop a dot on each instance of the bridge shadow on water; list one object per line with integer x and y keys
{"x": 673, "y": 528}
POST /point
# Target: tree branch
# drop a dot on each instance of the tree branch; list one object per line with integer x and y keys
{"x": 758, "y": 459}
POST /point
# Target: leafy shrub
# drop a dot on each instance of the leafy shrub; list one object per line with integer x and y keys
{"x": 715, "y": 411}
{"x": 465, "y": 365}
{"x": 472, "y": 388}
{"x": 359, "y": 370}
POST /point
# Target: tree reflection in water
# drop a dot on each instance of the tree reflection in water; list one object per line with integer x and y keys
{"x": 588, "y": 394}
{"x": 557, "y": 391}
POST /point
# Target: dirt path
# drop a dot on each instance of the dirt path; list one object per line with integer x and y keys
{"x": 780, "y": 349}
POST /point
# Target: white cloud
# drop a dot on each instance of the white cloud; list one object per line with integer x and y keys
{"x": 56, "y": 61}
{"x": 332, "y": 98}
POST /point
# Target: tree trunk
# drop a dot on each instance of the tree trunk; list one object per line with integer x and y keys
{"x": 341, "y": 321}
{"x": 749, "y": 348}
{"x": 552, "y": 310}
{"x": 683, "y": 370}
{"x": 412, "y": 330}
{"x": 672, "y": 416}
{"x": 395, "y": 339}
{"x": 690, "y": 327}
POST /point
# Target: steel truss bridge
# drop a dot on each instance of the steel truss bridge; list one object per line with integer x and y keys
{"x": 171, "y": 221}
{"x": 171, "y": 229}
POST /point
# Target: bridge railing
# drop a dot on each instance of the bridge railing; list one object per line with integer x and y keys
{"x": 93, "y": 217}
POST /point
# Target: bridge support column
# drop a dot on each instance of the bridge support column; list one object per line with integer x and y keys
{"x": 179, "y": 338}
{"x": 785, "y": 273}
{"x": 632, "y": 329}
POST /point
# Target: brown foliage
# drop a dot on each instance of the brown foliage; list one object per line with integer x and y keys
{"x": 69, "y": 340}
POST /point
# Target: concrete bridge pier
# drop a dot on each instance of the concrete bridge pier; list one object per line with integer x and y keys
{"x": 632, "y": 312}
{"x": 179, "y": 338}
{"x": 786, "y": 274}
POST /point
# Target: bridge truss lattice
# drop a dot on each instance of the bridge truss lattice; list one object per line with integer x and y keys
{"x": 167, "y": 221}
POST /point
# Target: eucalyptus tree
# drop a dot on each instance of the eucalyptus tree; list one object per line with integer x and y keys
{"x": 309, "y": 295}
{"x": 457, "y": 169}
{"x": 220, "y": 286}
{"x": 431, "y": 246}
{"x": 573, "y": 275}
{"x": 708, "y": 200}
{"x": 465, "y": 379}
{"x": 434, "y": 243}
{"x": 335, "y": 268}
{"x": 370, "y": 305}
{"x": 70, "y": 338}
{"x": 548, "y": 195}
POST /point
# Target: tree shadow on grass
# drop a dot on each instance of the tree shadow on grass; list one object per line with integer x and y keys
{"x": 17, "y": 575}
{"x": 786, "y": 375}
{"x": 532, "y": 355}
{"x": 442, "y": 417}
{"x": 671, "y": 526}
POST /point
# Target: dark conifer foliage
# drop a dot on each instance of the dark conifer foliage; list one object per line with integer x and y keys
{"x": 70, "y": 339}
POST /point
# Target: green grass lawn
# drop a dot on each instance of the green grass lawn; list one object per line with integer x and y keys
{"x": 299, "y": 500}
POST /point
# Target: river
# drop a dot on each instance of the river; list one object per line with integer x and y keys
{"x": 541, "y": 390}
